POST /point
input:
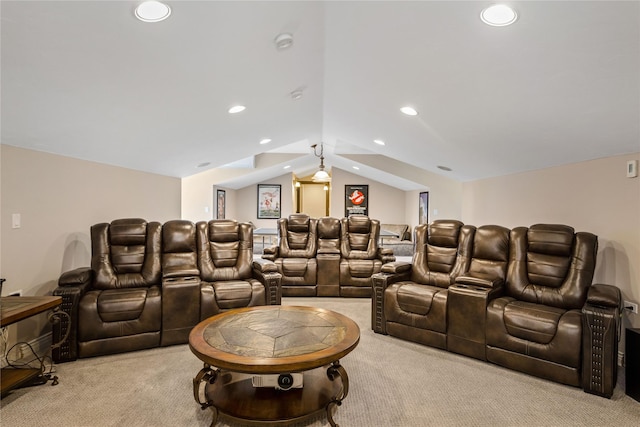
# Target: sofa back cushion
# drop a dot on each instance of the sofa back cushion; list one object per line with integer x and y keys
{"x": 179, "y": 249}
{"x": 224, "y": 249}
{"x": 297, "y": 236}
{"x": 490, "y": 255}
{"x": 551, "y": 264}
{"x": 359, "y": 237}
{"x": 328, "y": 235}
{"x": 126, "y": 253}
{"x": 442, "y": 252}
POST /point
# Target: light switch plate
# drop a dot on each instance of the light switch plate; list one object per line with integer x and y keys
{"x": 15, "y": 220}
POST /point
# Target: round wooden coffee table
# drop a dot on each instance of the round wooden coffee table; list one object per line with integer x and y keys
{"x": 262, "y": 341}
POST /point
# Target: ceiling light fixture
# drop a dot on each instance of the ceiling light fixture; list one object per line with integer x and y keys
{"x": 152, "y": 11}
{"x": 204, "y": 164}
{"x": 409, "y": 111}
{"x": 283, "y": 41}
{"x": 444, "y": 168}
{"x": 356, "y": 168}
{"x": 265, "y": 141}
{"x": 236, "y": 109}
{"x": 378, "y": 141}
{"x": 498, "y": 15}
{"x": 286, "y": 167}
{"x": 321, "y": 175}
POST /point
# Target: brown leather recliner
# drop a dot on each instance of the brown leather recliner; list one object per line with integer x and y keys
{"x": 537, "y": 327}
{"x": 295, "y": 255}
{"x": 410, "y": 300}
{"x": 361, "y": 256}
{"x": 230, "y": 277}
{"x": 122, "y": 309}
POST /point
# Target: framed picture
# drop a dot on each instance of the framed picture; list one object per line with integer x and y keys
{"x": 423, "y": 208}
{"x": 356, "y": 201}
{"x": 221, "y": 201}
{"x": 268, "y": 201}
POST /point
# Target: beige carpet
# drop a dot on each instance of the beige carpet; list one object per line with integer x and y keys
{"x": 393, "y": 384}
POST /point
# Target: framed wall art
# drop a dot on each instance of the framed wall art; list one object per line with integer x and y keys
{"x": 356, "y": 200}
{"x": 221, "y": 202}
{"x": 423, "y": 208}
{"x": 269, "y": 201}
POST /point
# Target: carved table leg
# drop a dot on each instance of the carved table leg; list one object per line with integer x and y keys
{"x": 207, "y": 375}
{"x": 336, "y": 370}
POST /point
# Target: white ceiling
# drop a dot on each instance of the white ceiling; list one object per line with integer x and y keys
{"x": 87, "y": 80}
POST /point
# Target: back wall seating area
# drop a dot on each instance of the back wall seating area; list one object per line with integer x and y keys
{"x": 519, "y": 298}
{"x": 328, "y": 256}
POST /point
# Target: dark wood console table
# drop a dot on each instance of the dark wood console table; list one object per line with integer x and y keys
{"x": 15, "y": 309}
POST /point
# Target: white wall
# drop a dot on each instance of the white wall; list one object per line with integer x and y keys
{"x": 594, "y": 196}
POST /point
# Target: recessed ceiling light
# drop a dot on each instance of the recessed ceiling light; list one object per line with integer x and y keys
{"x": 356, "y": 168}
{"x": 409, "y": 111}
{"x": 445, "y": 168}
{"x": 296, "y": 94}
{"x": 283, "y": 41}
{"x": 265, "y": 141}
{"x": 498, "y": 15}
{"x": 201, "y": 165}
{"x": 286, "y": 167}
{"x": 152, "y": 11}
{"x": 378, "y": 141}
{"x": 236, "y": 109}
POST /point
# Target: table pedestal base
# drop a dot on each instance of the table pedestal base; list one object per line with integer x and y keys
{"x": 233, "y": 395}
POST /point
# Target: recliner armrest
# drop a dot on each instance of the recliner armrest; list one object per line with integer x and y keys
{"x": 264, "y": 266}
{"x": 79, "y": 276}
{"x": 482, "y": 282}
{"x": 602, "y": 295}
{"x": 270, "y": 253}
{"x": 396, "y": 267}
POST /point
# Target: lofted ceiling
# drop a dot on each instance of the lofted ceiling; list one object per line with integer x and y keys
{"x": 88, "y": 80}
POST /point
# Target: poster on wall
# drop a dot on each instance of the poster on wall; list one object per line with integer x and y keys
{"x": 356, "y": 200}
{"x": 221, "y": 201}
{"x": 268, "y": 201}
{"x": 423, "y": 208}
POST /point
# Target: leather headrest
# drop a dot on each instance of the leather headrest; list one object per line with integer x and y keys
{"x": 328, "y": 228}
{"x": 491, "y": 242}
{"x": 299, "y": 222}
{"x": 128, "y": 232}
{"x": 550, "y": 239}
{"x": 444, "y": 233}
{"x": 178, "y": 236}
{"x": 223, "y": 230}
{"x": 359, "y": 224}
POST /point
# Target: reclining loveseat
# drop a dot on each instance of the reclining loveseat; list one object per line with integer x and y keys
{"x": 150, "y": 283}
{"x": 328, "y": 256}
{"x": 519, "y": 298}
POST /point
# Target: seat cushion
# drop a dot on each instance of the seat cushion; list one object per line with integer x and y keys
{"x": 532, "y": 322}
{"x": 232, "y": 293}
{"x": 416, "y": 305}
{"x": 118, "y": 305}
{"x": 528, "y": 329}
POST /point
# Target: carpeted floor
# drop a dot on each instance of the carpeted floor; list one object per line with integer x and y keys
{"x": 393, "y": 383}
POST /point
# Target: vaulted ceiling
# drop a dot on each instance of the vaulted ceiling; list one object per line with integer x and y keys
{"x": 88, "y": 80}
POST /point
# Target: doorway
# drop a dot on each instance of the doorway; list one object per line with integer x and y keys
{"x": 313, "y": 198}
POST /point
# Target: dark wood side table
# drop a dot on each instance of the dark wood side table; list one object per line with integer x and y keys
{"x": 15, "y": 309}
{"x": 240, "y": 343}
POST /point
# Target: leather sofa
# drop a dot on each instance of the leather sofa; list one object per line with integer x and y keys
{"x": 520, "y": 298}
{"x": 150, "y": 283}
{"x": 328, "y": 256}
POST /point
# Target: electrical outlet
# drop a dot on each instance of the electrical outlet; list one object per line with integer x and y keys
{"x": 631, "y": 306}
